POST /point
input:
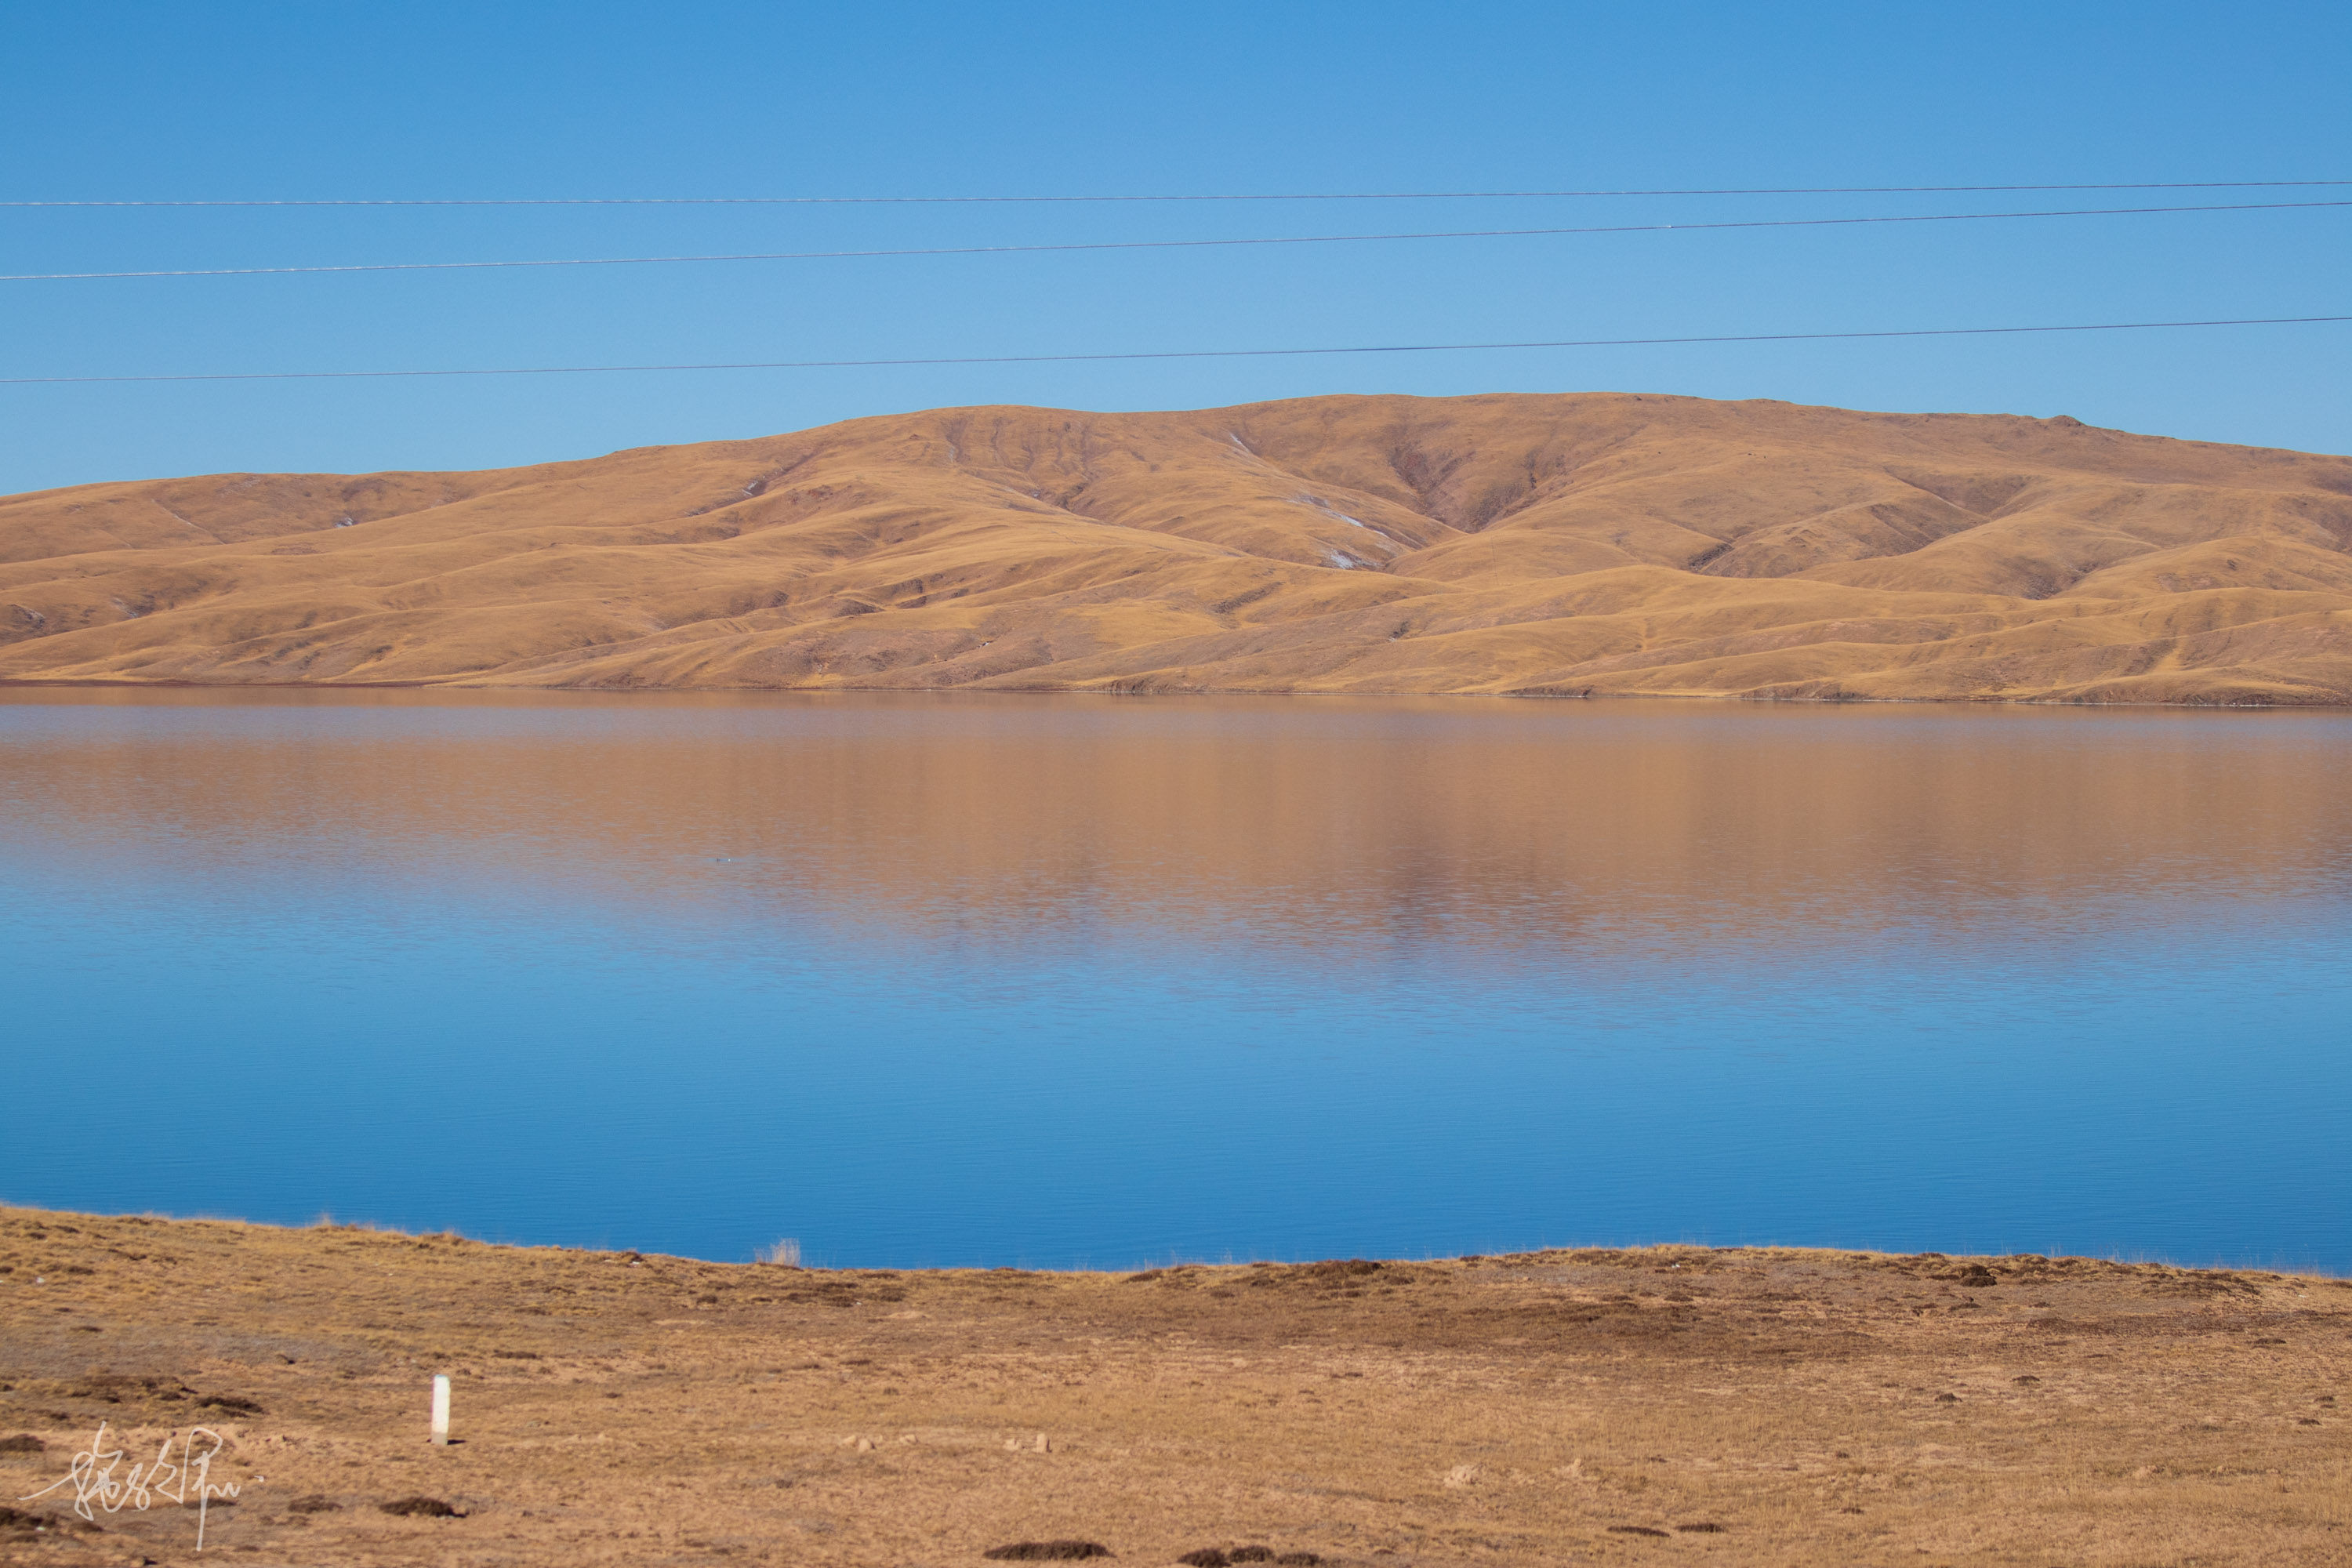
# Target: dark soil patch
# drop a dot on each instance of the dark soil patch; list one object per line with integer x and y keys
{"x": 1048, "y": 1552}
{"x": 1703, "y": 1526}
{"x": 1636, "y": 1529}
{"x": 421, "y": 1507}
{"x": 1206, "y": 1557}
{"x": 314, "y": 1503}
{"x": 114, "y": 1388}
{"x": 2202, "y": 1282}
{"x": 22, "y": 1443}
{"x": 19, "y": 1518}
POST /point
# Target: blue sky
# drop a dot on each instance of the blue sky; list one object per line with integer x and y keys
{"x": 307, "y": 101}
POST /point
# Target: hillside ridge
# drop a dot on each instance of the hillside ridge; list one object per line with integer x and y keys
{"x": 1582, "y": 543}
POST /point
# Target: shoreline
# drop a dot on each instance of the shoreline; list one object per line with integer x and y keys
{"x": 2319, "y": 705}
{"x": 2306, "y": 1274}
{"x": 1587, "y": 1404}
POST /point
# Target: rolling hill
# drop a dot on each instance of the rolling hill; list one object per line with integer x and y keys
{"x": 1583, "y": 543}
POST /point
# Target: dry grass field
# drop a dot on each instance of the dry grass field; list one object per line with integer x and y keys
{"x": 1672, "y": 1405}
{"x": 1576, "y": 544}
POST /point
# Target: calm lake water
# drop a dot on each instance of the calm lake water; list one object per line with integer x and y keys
{"x": 1055, "y": 981}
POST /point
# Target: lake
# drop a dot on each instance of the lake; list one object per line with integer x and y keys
{"x": 1092, "y": 981}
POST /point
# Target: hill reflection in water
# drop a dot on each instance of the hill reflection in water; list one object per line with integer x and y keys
{"x": 960, "y": 979}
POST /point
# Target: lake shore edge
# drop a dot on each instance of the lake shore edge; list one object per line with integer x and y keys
{"x": 2319, "y": 703}
{"x": 1791, "y": 1405}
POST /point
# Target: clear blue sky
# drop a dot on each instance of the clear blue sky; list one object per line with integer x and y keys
{"x": 224, "y": 100}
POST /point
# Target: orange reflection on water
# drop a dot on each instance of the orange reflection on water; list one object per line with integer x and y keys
{"x": 1290, "y": 820}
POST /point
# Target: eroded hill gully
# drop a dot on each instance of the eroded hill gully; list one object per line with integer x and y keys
{"x": 1587, "y": 543}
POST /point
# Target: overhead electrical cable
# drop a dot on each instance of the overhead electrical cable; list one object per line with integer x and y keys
{"x": 1175, "y": 353}
{"x": 1265, "y": 196}
{"x": 1146, "y": 243}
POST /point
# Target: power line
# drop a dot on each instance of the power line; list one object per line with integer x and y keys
{"x": 1149, "y": 244}
{"x": 1173, "y": 354}
{"x": 1272, "y": 196}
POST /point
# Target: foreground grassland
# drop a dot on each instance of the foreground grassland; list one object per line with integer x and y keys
{"x": 1589, "y": 544}
{"x": 1668, "y": 1405}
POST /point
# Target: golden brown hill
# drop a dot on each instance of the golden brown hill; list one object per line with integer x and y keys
{"x": 1583, "y": 543}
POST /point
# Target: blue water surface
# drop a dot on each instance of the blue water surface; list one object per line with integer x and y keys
{"x": 1055, "y": 982}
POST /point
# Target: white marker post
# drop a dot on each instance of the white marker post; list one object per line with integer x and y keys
{"x": 440, "y": 1410}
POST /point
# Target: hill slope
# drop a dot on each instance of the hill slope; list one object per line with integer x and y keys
{"x": 1589, "y": 543}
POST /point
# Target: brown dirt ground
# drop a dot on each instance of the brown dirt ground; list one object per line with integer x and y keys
{"x": 1594, "y": 543}
{"x": 1674, "y": 1403}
